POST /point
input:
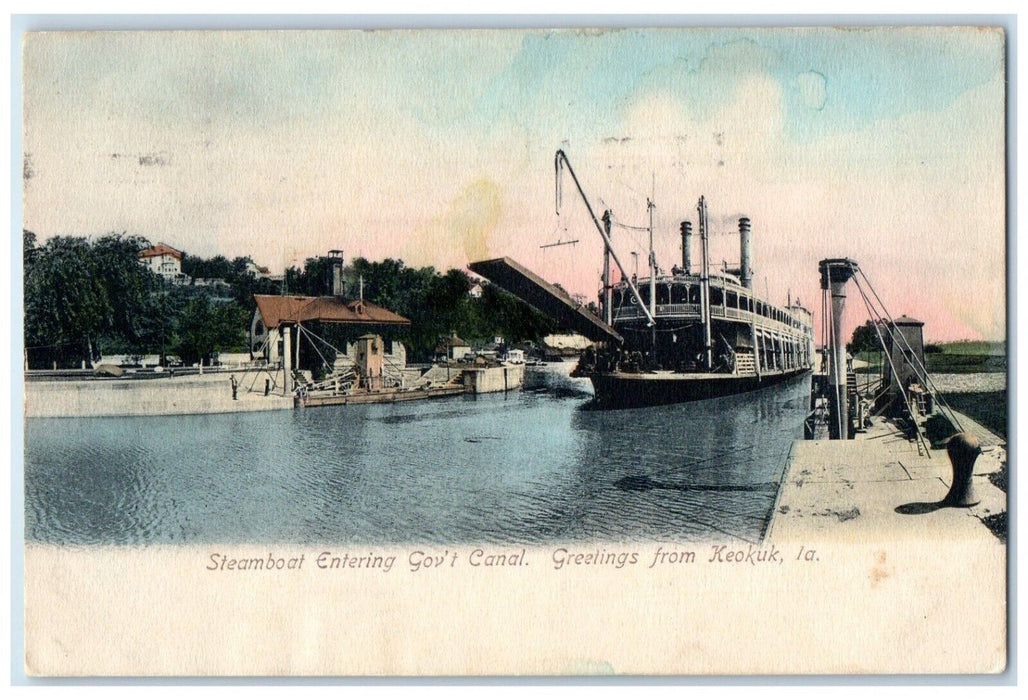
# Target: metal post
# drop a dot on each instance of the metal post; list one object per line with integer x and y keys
{"x": 756, "y": 354}
{"x": 653, "y": 282}
{"x": 287, "y": 360}
{"x": 705, "y": 283}
{"x": 835, "y": 273}
{"x": 839, "y": 358}
{"x": 686, "y": 229}
{"x": 608, "y": 311}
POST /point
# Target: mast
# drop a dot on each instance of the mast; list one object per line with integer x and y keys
{"x": 705, "y": 284}
{"x": 653, "y": 277}
{"x": 608, "y": 311}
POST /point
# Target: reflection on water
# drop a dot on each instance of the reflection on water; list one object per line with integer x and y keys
{"x": 529, "y": 467}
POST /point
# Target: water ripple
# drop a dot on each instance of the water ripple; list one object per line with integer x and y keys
{"x": 528, "y": 468}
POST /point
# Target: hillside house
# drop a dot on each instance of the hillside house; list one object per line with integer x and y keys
{"x": 164, "y": 261}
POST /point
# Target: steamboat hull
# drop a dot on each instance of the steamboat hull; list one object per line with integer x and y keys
{"x": 625, "y": 390}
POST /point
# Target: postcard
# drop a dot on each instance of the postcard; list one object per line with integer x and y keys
{"x": 515, "y": 352}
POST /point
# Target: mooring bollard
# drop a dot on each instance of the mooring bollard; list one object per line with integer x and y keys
{"x": 963, "y": 450}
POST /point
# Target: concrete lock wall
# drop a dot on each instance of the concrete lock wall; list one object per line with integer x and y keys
{"x": 486, "y": 380}
{"x": 411, "y": 375}
{"x": 135, "y": 397}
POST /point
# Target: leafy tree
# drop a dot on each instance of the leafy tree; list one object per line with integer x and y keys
{"x": 61, "y": 301}
{"x": 217, "y": 267}
{"x": 205, "y": 327}
{"x": 865, "y": 339}
{"x": 508, "y": 316}
{"x": 244, "y": 287}
{"x": 126, "y": 285}
{"x": 239, "y": 269}
{"x": 315, "y": 279}
{"x": 86, "y": 297}
{"x": 438, "y": 304}
{"x": 28, "y": 246}
{"x": 81, "y": 294}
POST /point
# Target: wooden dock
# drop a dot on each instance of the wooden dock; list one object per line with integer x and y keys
{"x": 380, "y": 396}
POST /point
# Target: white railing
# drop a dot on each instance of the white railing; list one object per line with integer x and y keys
{"x": 667, "y": 310}
{"x": 728, "y": 312}
{"x": 692, "y": 311}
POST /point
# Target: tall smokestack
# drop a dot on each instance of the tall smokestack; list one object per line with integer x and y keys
{"x": 687, "y": 247}
{"x": 745, "y": 254}
{"x": 835, "y": 273}
{"x": 336, "y": 256}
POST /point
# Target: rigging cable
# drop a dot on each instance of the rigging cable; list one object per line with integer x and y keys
{"x": 926, "y": 377}
{"x": 311, "y": 335}
{"x": 895, "y": 375}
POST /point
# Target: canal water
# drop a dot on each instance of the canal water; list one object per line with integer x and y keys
{"x": 530, "y": 467}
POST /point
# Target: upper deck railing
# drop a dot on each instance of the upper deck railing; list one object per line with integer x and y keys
{"x": 689, "y": 312}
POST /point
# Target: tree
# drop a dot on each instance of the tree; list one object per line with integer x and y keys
{"x": 126, "y": 285}
{"x": 81, "y": 295}
{"x": 514, "y": 319}
{"x": 217, "y": 267}
{"x": 865, "y": 339}
{"x": 28, "y": 246}
{"x": 204, "y": 327}
{"x": 61, "y": 301}
{"x": 85, "y": 297}
{"x": 315, "y": 279}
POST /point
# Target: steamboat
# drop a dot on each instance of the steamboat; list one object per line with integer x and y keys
{"x": 686, "y": 335}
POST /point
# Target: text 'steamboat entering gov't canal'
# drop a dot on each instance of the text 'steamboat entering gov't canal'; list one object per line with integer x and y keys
{"x": 667, "y": 338}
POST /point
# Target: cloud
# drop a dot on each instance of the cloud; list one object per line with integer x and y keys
{"x": 384, "y": 144}
{"x": 813, "y": 90}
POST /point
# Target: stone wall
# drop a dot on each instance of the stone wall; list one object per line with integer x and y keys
{"x": 486, "y": 380}
{"x": 152, "y": 397}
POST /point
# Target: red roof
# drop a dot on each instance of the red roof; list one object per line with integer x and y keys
{"x": 160, "y": 249}
{"x": 276, "y": 310}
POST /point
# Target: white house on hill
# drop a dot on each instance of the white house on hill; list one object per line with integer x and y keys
{"x": 258, "y": 271}
{"x": 164, "y": 260}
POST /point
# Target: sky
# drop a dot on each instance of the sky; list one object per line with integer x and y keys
{"x": 884, "y": 145}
